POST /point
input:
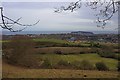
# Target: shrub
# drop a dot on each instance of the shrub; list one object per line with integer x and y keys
{"x": 106, "y": 51}
{"x": 107, "y": 55}
{"x": 5, "y": 45}
{"x": 65, "y": 45}
{"x": 118, "y": 66}
{"x": 40, "y": 53}
{"x": 76, "y": 64}
{"x": 84, "y": 65}
{"x": 29, "y": 61}
{"x": 117, "y": 56}
{"x": 47, "y": 64}
{"x": 21, "y": 46}
{"x": 101, "y": 66}
{"x": 71, "y": 53}
{"x": 92, "y": 44}
{"x": 82, "y": 52}
{"x": 21, "y": 52}
{"x": 63, "y": 63}
{"x": 58, "y": 52}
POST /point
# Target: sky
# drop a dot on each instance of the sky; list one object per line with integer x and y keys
{"x": 47, "y": 0}
{"x": 79, "y": 20}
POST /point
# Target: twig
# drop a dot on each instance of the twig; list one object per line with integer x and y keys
{"x": 9, "y": 25}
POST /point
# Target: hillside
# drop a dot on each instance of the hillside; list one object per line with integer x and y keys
{"x": 10, "y": 71}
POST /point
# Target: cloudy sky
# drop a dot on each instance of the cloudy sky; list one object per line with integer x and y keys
{"x": 82, "y": 19}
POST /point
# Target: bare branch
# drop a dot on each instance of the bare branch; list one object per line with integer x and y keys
{"x": 10, "y": 22}
{"x": 73, "y": 6}
{"x": 106, "y": 9}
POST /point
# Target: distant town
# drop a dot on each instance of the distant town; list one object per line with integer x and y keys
{"x": 75, "y": 36}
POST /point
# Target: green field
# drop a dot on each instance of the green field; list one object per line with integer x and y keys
{"x": 53, "y": 42}
{"x": 93, "y": 58}
{"x": 50, "y": 40}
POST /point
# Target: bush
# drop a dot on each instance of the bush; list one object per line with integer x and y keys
{"x": 84, "y": 65}
{"x": 63, "y": 63}
{"x": 76, "y": 64}
{"x": 107, "y": 55}
{"x": 106, "y": 51}
{"x": 5, "y": 45}
{"x": 65, "y": 45}
{"x": 118, "y": 66}
{"x": 21, "y": 52}
{"x": 92, "y": 44}
{"x": 101, "y": 66}
{"x": 47, "y": 64}
{"x": 58, "y": 52}
{"x": 117, "y": 56}
{"x": 82, "y": 52}
{"x": 21, "y": 46}
{"x": 29, "y": 61}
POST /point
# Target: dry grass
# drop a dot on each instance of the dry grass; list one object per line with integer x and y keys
{"x": 10, "y": 71}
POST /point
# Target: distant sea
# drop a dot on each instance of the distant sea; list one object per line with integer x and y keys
{"x": 54, "y": 32}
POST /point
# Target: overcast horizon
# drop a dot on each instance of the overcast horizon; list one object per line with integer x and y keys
{"x": 79, "y": 20}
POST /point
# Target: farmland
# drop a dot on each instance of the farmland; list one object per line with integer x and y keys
{"x": 58, "y": 58}
{"x": 54, "y": 59}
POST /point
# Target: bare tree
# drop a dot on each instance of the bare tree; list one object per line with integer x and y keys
{"x": 106, "y": 9}
{"x": 8, "y": 23}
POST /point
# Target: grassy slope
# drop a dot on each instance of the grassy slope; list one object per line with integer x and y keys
{"x": 93, "y": 58}
{"x": 10, "y": 71}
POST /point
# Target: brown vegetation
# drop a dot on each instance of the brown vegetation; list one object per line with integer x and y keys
{"x": 10, "y": 71}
